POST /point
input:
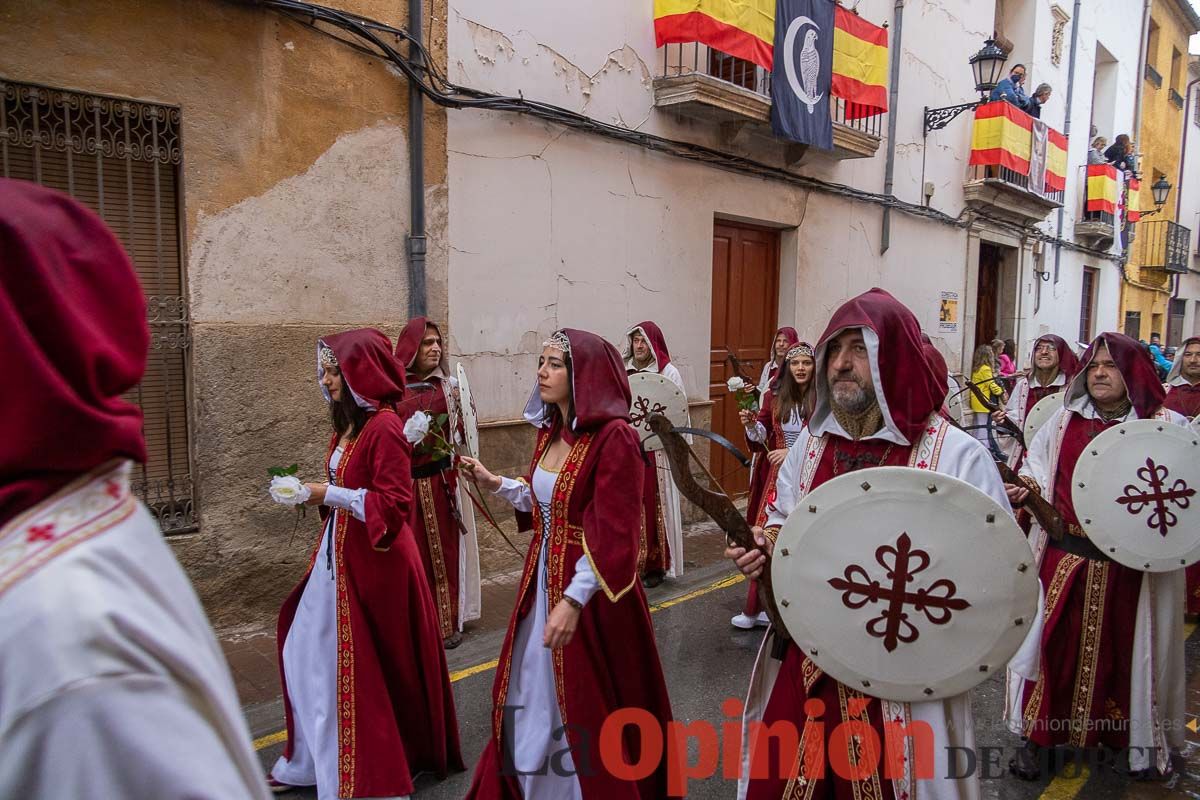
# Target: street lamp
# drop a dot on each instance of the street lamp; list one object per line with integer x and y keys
{"x": 1159, "y": 189}
{"x": 987, "y": 65}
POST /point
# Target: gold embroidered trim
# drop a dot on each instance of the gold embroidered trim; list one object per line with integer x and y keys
{"x": 433, "y": 535}
{"x": 1089, "y": 651}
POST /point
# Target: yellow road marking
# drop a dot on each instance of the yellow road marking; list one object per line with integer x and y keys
{"x": 1066, "y": 788}
{"x": 458, "y": 675}
{"x": 1188, "y": 629}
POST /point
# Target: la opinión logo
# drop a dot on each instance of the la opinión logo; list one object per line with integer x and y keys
{"x": 719, "y": 752}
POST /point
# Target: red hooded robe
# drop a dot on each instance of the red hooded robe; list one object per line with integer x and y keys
{"x": 912, "y": 392}
{"x": 397, "y": 711}
{"x": 435, "y": 521}
{"x": 612, "y": 660}
{"x": 1091, "y": 602}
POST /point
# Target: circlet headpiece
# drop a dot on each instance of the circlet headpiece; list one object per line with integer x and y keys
{"x": 802, "y": 349}
{"x": 326, "y": 357}
{"x": 559, "y": 341}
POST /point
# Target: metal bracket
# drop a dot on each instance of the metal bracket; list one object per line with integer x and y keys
{"x": 938, "y": 118}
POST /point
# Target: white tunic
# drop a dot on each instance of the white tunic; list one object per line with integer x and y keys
{"x": 668, "y": 492}
{"x": 1157, "y": 686}
{"x": 111, "y": 682}
{"x": 310, "y": 657}
{"x": 534, "y": 730}
{"x": 791, "y": 430}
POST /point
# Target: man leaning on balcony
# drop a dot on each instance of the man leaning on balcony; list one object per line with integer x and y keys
{"x": 1010, "y": 88}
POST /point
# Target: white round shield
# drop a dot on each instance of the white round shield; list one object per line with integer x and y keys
{"x": 1040, "y": 413}
{"x": 654, "y": 394}
{"x": 1135, "y": 489}
{"x": 1196, "y": 424}
{"x": 470, "y": 418}
{"x": 904, "y": 583}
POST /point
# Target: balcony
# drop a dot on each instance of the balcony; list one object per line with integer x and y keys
{"x": 1153, "y": 76}
{"x": 1161, "y": 245}
{"x": 1005, "y": 156}
{"x": 1176, "y": 98}
{"x": 702, "y": 83}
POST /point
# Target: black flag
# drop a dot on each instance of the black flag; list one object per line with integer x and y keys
{"x": 803, "y": 72}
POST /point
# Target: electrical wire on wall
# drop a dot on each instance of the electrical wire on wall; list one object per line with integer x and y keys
{"x": 370, "y": 37}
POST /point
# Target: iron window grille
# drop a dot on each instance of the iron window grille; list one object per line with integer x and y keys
{"x": 122, "y": 158}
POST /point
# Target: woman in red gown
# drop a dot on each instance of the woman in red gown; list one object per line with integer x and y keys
{"x": 580, "y": 643}
{"x": 780, "y": 419}
{"x": 366, "y": 691}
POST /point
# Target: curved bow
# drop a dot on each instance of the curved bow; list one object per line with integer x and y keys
{"x": 716, "y": 504}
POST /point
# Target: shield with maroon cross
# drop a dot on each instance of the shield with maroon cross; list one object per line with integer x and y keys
{"x": 904, "y": 583}
{"x": 1135, "y": 489}
{"x": 1040, "y": 414}
{"x": 654, "y": 394}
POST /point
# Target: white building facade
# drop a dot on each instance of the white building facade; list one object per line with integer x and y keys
{"x": 554, "y": 227}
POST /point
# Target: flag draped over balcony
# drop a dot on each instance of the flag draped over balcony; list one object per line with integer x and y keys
{"x": 1133, "y": 209}
{"x": 800, "y": 85}
{"x": 860, "y": 64}
{"x": 742, "y": 28}
{"x": 1003, "y": 137}
{"x": 1102, "y": 188}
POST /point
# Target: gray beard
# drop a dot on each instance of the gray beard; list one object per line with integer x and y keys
{"x": 854, "y": 405}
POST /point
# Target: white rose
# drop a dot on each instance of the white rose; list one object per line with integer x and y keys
{"x": 287, "y": 490}
{"x": 735, "y": 384}
{"x": 417, "y": 427}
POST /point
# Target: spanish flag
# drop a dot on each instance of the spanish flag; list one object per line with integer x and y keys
{"x": 1056, "y": 161}
{"x": 1003, "y": 137}
{"x": 1102, "y": 188}
{"x": 742, "y": 28}
{"x": 1133, "y": 206}
{"x": 860, "y": 64}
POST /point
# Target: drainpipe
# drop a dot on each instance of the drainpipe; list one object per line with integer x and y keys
{"x": 1067, "y": 124}
{"x": 1187, "y": 106}
{"x": 889, "y": 169}
{"x": 416, "y": 171}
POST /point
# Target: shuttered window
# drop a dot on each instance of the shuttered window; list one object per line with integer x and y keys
{"x": 122, "y": 159}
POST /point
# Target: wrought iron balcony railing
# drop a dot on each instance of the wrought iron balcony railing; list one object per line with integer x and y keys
{"x": 1161, "y": 244}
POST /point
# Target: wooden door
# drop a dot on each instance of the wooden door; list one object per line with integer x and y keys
{"x": 988, "y": 302}
{"x": 745, "y": 301}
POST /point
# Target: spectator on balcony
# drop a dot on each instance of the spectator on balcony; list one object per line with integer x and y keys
{"x": 1040, "y": 96}
{"x": 1009, "y": 89}
{"x": 1120, "y": 155}
{"x": 1096, "y": 154}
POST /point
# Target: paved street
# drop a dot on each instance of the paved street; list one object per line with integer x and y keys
{"x": 707, "y": 661}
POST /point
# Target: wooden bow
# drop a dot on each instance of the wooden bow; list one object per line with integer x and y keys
{"x": 718, "y": 506}
{"x": 1007, "y": 424}
{"x": 1041, "y": 508}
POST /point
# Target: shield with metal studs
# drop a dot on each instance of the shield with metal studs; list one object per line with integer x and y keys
{"x": 904, "y": 583}
{"x": 1135, "y": 489}
{"x": 470, "y": 418}
{"x": 654, "y": 394}
{"x": 1040, "y": 414}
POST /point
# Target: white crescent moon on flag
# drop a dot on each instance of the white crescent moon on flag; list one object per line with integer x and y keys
{"x": 789, "y": 59}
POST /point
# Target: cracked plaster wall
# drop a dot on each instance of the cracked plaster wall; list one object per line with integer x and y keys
{"x": 597, "y": 234}
{"x": 573, "y": 230}
{"x": 295, "y": 187}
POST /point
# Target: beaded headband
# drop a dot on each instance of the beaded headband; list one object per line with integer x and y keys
{"x": 559, "y": 341}
{"x": 326, "y": 357}
{"x": 801, "y": 349}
